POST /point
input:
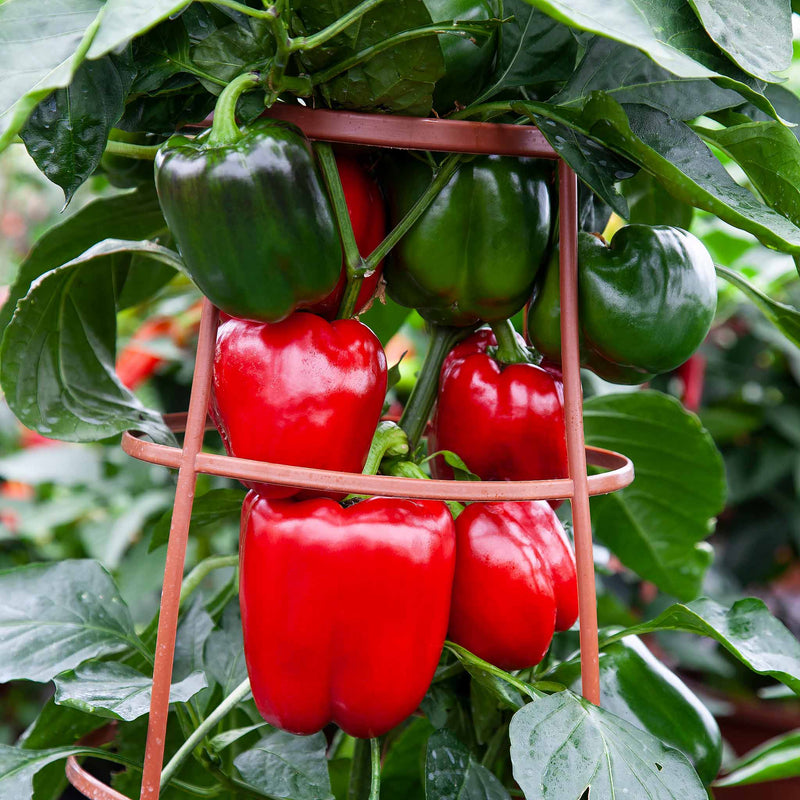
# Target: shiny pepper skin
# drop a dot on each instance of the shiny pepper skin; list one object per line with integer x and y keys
{"x": 344, "y": 610}
{"x": 367, "y": 211}
{"x": 303, "y": 391}
{"x": 646, "y": 302}
{"x": 251, "y": 219}
{"x": 505, "y": 421}
{"x": 515, "y": 582}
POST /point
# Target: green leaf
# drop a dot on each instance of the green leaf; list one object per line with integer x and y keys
{"x": 57, "y": 354}
{"x": 122, "y": 20}
{"x": 785, "y": 318}
{"x": 212, "y": 509}
{"x": 232, "y": 50}
{"x": 638, "y": 688}
{"x": 562, "y": 745}
{"x": 534, "y": 49}
{"x": 674, "y": 154}
{"x": 285, "y": 766}
{"x": 132, "y": 215}
{"x": 67, "y": 132}
{"x": 629, "y": 76}
{"x": 70, "y": 465}
{"x": 117, "y": 691}
{"x": 224, "y": 740}
{"x": 776, "y": 759}
{"x": 224, "y": 651}
{"x": 56, "y": 616}
{"x": 399, "y": 80}
{"x": 651, "y": 204}
{"x": 38, "y": 43}
{"x": 384, "y": 319}
{"x": 451, "y": 773}
{"x": 656, "y": 526}
{"x": 759, "y": 42}
{"x": 747, "y": 630}
{"x": 403, "y": 767}
{"x": 769, "y": 153}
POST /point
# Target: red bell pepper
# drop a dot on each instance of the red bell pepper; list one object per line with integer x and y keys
{"x": 506, "y": 421}
{"x": 515, "y": 582}
{"x": 367, "y": 212}
{"x": 344, "y": 610}
{"x": 302, "y": 391}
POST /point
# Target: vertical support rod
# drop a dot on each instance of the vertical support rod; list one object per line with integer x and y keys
{"x": 573, "y": 418}
{"x": 176, "y": 555}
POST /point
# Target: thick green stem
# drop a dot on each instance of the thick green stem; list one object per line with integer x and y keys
{"x": 510, "y": 349}
{"x": 460, "y": 29}
{"x": 197, "y": 736}
{"x": 283, "y": 49}
{"x": 360, "y": 772}
{"x": 375, "y": 783}
{"x": 240, "y": 7}
{"x": 423, "y": 395}
{"x": 306, "y": 43}
{"x": 139, "y": 151}
{"x": 389, "y": 440}
{"x": 405, "y": 469}
{"x": 354, "y": 264}
{"x": 484, "y": 110}
{"x": 224, "y": 129}
{"x": 441, "y": 178}
{"x": 203, "y": 569}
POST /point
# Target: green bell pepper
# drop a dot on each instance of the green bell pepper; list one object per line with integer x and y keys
{"x": 474, "y": 253}
{"x": 250, "y": 215}
{"x": 646, "y": 302}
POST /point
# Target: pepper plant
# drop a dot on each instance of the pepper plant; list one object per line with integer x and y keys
{"x": 660, "y": 110}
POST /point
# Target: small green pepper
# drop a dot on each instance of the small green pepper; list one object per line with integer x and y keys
{"x": 250, "y": 216}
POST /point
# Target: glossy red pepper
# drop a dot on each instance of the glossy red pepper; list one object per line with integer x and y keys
{"x": 302, "y": 391}
{"x": 367, "y": 212}
{"x": 505, "y": 421}
{"x": 515, "y": 582}
{"x": 344, "y": 610}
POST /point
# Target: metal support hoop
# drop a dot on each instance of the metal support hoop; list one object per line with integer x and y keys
{"x": 408, "y": 133}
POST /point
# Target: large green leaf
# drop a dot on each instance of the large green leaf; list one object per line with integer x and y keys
{"x": 534, "y": 49}
{"x": 223, "y": 655}
{"x": 56, "y": 616}
{"x": 657, "y": 526}
{"x": 650, "y": 203}
{"x": 398, "y": 80}
{"x": 67, "y": 132}
{"x": 451, "y": 773}
{"x": 747, "y": 630}
{"x": 769, "y": 153}
{"x": 776, "y": 759}
{"x": 668, "y": 149}
{"x": 132, "y": 215}
{"x": 285, "y": 766}
{"x": 562, "y": 745}
{"x": 117, "y": 691}
{"x": 629, "y": 76}
{"x": 758, "y": 39}
{"x": 784, "y": 317}
{"x": 57, "y": 354}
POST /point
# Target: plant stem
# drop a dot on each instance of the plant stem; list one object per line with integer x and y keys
{"x": 240, "y": 7}
{"x": 389, "y": 440}
{"x": 485, "y": 110}
{"x": 306, "y": 43}
{"x": 204, "y": 568}
{"x": 224, "y": 129}
{"x": 455, "y": 28}
{"x": 441, "y": 178}
{"x": 197, "y": 736}
{"x": 140, "y": 151}
{"x": 375, "y": 783}
{"x": 423, "y": 395}
{"x": 405, "y": 469}
{"x": 354, "y": 264}
{"x": 360, "y": 772}
{"x": 509, "y": 348}
{"x": 465, "y": 656}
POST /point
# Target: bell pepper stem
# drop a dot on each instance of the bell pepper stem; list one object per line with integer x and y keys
{"x": 199, "y": 733}
{"x": 509, "y": 349}
{"x": 128, "y": 150}
{"x": 354, "y": 263}
{"x": 423, "y": 395}
{"x": 224, "y": 129}
{"x": 375, "y": 783}
{"x": 389, "y": 440}
{"x": 441, "y": 178}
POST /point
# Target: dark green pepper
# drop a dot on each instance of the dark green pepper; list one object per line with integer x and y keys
{"x": 250, "y": 216}
{"x": 646, "y": 302}
{"x": 474, "y": 253}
